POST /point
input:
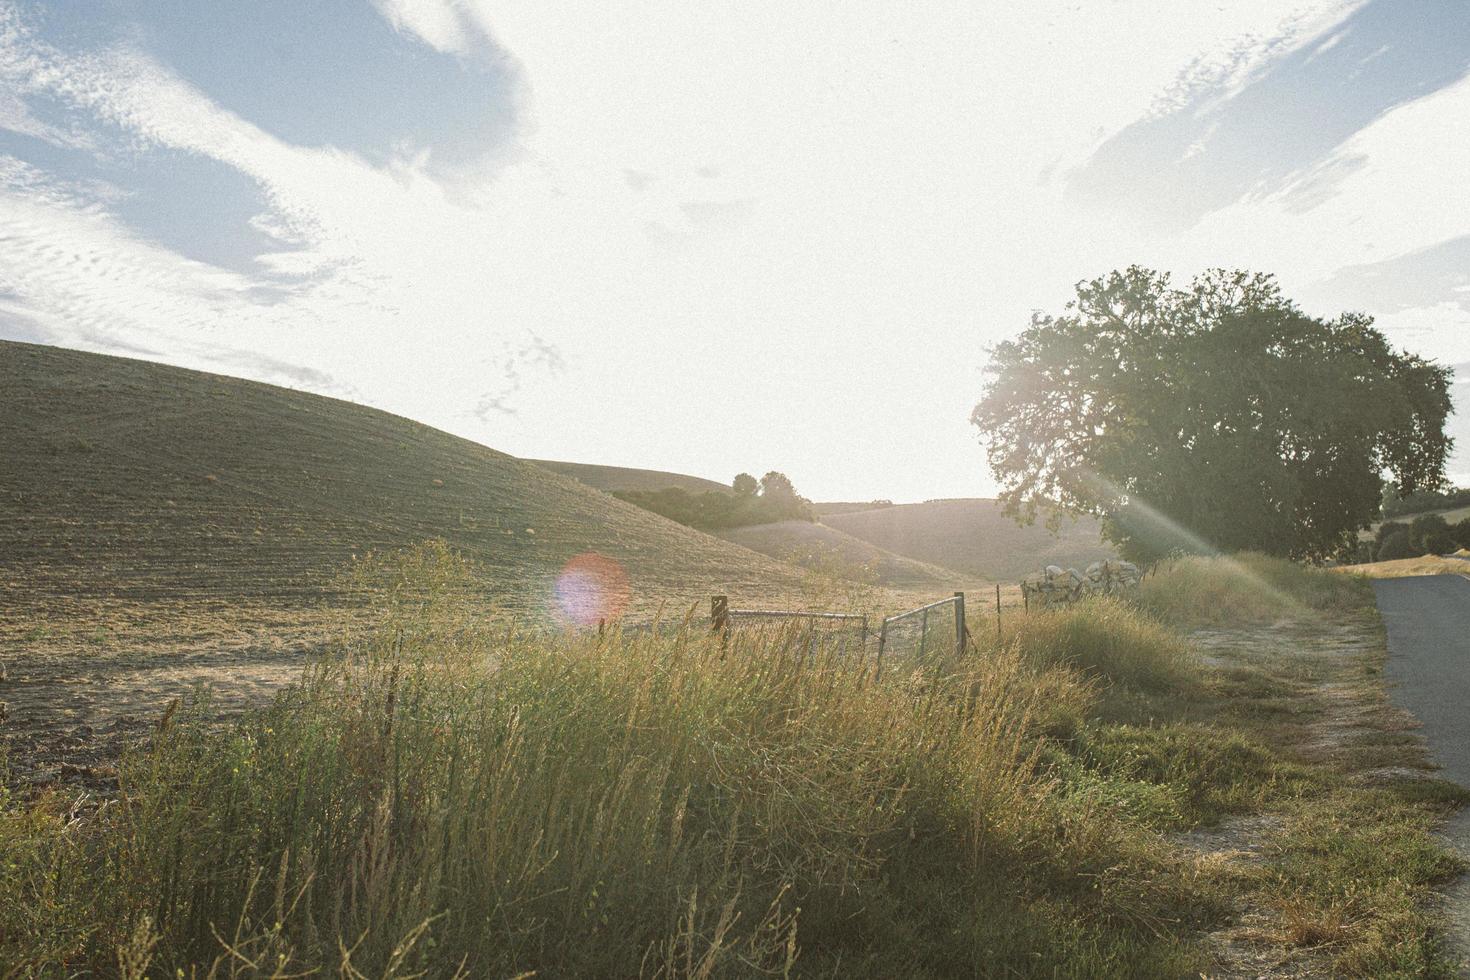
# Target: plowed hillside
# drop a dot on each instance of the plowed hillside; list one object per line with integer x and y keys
{"x": 128, "y": 481}
{"x": 610, "y": 478}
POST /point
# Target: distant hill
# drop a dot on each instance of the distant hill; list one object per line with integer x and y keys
{"x": 128, "y": 481}
{"x": 972, "y": 536}
{"x": 849, "y": 506}
{"x": 610, "y": 478}
{"x": 805, "y": 543}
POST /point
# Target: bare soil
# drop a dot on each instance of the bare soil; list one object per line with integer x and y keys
{"x": 68, "y": 718}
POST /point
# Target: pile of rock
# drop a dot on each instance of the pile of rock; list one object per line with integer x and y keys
{"x": 1055, "y": 585}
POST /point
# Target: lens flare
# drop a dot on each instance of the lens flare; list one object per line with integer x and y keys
{"x": 592, "y": 587}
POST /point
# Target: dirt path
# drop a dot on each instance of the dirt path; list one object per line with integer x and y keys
{"x": 1428, "y": 623}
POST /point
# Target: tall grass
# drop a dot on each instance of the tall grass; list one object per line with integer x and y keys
{"x": 439, "y": 799}
{"x": 1106, "y": 639}
{"x": 1245, "y": 588}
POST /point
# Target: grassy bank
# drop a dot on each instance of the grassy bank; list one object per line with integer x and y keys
{"x": 1245, "y": 589}
{"x": 441, "y": 799}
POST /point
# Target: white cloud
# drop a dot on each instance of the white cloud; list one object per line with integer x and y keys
{"x": 1226, "y": 69}
{"x": 367, "y": 253}
{"x": 1385, "y": 193}
{"x": 1440, "y": 332}
{"x": 873, "y": 170}
{"x": 441, "y": 24}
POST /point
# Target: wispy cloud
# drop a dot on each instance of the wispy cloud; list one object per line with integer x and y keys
{"x": 445, "y": 25}
{"x": 358, "y": 250}
{"x": 1247, "y": 121}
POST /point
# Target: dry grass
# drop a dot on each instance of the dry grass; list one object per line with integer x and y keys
{"x": 1345, "y": 855}
{"x": 1408, "y": 567}
{"x": 441, "y": 800}
{"x": 1109, "y": 640}
{"x": 1244, "y": 589}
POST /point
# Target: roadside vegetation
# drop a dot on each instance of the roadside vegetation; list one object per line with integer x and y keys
{"x": 1193, "y": 591}
{"x": 440, "y": 797}
{"x": 1426, "y": 534}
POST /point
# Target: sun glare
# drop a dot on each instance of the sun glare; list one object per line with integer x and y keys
{"x": 592, "y": 587}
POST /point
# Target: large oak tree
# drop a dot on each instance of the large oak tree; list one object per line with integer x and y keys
{"x": 1214, "y": 417}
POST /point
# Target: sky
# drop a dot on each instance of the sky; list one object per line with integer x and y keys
{"x": 711, "y": 237}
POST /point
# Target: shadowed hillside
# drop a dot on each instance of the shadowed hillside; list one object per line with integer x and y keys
{"x": 610, "y": 478}
{"x": 805, "y": 543}
{"x": 973, "y": 536}
{"x": 127, "y": 481}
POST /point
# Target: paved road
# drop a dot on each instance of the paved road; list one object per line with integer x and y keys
{"x": 1428, "y": 621}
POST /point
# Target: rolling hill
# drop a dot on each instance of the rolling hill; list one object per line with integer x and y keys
{"x": 610, "y": 478}
{"x": 806, "y": 543}
{"x": 825, "y": 507}
{"x": 125, "y": 481}
{"x": 1452, "y": 515}
{"x": 971, "y": 535}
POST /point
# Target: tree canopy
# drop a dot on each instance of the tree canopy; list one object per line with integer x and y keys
{"x": 1219, "y": 416}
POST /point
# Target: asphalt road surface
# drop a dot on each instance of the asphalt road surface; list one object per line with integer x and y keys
{"x": 1428, "y": 622}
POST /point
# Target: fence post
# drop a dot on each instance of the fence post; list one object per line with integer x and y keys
{"x": 719, "y": 618}
{"x": 882, "y": 642}
{"x": 961, "y": 631}
{"x": 998, "y": 637}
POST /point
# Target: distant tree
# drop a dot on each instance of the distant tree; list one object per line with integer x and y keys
{"x": 1214, "y": 417}
{"x": 745, "y": 485}
{"x": 1460, "y": 534}
{"x": 716, "y": 510}
{"x": 1395, "y": 546}
{"x": 777, "y": 486}
{"x": 779, "y": 500}
{"x": 1429, "y": 534}
{"x": 1386, "y": 529}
